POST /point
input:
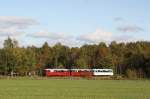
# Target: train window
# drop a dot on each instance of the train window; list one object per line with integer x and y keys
{"x": 105, "y": 71}
{"x": 110, "y": 71}
{"x": 56, "y": 71}
{"x": 75, "y": 70}
{"x": 102, "y": 70}
{"x": 99, "y": 70}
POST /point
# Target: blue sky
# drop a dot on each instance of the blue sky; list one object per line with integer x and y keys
{"x": 74, "y": 22}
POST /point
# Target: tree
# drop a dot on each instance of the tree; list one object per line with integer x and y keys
{"x": 129, "y": 59}
{"x": 9, "y": 44}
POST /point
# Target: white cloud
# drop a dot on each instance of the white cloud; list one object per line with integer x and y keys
{"x": 96, "y": 37}
{"x": 13, "y": 26}
{"x": 124, "y": 38}
{"x": 118, "y": 19}
{"x": 130, "y": 28}
{"x": 48, "y": 35}
{"x": 16, "y": 22}
{"x": 71, "y": 42}
{"x": 10, "y": 32}
{"x": 52, "y": 38}
{"x": 107, "y": 37}
{"x": 88, "y": 38}
{"x": 127, "y": 27}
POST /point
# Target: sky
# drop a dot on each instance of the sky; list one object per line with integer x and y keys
{"x": 74, "y": 22}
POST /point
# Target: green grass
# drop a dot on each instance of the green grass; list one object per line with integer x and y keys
{"x": 74, "y": 89}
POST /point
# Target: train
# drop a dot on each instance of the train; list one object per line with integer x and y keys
{"x": 78, "y": 72}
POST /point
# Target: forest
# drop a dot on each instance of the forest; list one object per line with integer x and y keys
{"x": 130, "y": 59}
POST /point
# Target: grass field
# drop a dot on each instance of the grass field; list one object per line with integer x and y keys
{"x": 74, "y": 89}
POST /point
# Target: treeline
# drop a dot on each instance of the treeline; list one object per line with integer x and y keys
{"x": 128, "y": 59}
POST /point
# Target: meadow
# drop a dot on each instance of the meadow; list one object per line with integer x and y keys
{"x": 74, "y": 89}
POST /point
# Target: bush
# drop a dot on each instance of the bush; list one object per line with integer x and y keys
{"x": 131, "y": 74}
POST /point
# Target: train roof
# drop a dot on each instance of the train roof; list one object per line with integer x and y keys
{"x": 77, "y": 69}
{"x": 56, "y": 69}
